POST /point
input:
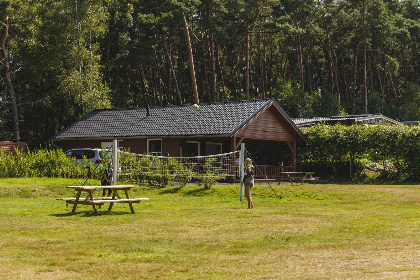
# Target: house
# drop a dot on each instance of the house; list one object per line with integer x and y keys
{"x": 184, "y": 131}
{"x": 11, "y": 147}
{"x": 367, "y": 119}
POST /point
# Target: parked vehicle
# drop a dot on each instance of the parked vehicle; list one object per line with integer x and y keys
{"x": 93, "y": 155}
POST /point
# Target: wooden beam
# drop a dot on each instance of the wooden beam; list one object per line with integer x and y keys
{"x": 239, "y": 143}
{"x": 292, "y": 147}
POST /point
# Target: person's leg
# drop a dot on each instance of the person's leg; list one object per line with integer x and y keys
{"x": 248, "y": 197}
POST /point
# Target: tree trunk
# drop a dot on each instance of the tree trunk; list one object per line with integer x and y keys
{"x": 221, "y": 74}
{"x": 365, "y": 92}
{"x": 308, "y": 68}
{"x": 205, "y": 72}
{"x": 213, "y": 70}
{"x": 300, "y": 59}
{"x": 190, "y": 61}
{"x": 145, "y": 93}
{"x": 346, "y": 83}
{"x": 333, "y": 64}
{"x": 8, "y": 78}
{"x": 248, "y": 58}
{"x": 172, "y": 70}
{"x": 414, "y": 60}
{"x": 354, "y": 89}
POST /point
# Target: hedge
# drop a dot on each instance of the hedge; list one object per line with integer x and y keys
{"x": 389, "y": 152}
{"x": 358, "y": 152}
{"x": 44, "y": 163}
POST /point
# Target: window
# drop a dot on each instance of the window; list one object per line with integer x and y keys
{"x": 107, "y": 145}
{"x": 191, "y": 149}
{"x": 154, "y": 147}
{"x": 79, "y": 154}
{"x": 213, "y": 148}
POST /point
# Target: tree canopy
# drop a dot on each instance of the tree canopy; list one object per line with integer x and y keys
{"x": 316, "y": 58}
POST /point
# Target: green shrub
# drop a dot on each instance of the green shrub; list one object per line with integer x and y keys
{"x": 45, "y": 163}
{"x": 211, "y": 174}
{"x": 154, "y": 170}
{"x": 390, "y": 152}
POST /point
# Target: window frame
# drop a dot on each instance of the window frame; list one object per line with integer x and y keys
{"x": 161, "y": 147}
{"x": 109, "y": 144}
{"x": 217, "y": 144}
{"x": 195, "y": 142}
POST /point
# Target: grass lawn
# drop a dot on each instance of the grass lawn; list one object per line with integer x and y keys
{"x": 314, "y": 232}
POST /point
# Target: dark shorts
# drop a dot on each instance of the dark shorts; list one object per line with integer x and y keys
{"x": 248, "y": 181}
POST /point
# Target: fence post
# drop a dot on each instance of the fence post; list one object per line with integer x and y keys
{"x": 241, "y": 169}
{"x": 115, "y": 161}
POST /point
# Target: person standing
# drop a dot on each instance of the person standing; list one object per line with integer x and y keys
{"x": 249, "y": 181}
{"x": 106, "y": 179}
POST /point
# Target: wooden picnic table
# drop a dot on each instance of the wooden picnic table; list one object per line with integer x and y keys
{"x": 99, "y": 201}
{"x": 297, "y": 177}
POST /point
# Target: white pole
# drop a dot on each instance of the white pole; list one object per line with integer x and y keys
{"x": 115, "y": 161}
{"x": 241, "y": 169}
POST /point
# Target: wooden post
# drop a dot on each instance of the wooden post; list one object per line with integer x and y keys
{"x": 292, "y": 147}
{"x": 294, "y": 156}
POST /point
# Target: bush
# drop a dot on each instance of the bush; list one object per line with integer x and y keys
{"x": 155, "y": 171}
{"x": 211, "y": 174}
{"x": 44, "y": 163}
{"x": 350, "y": 152}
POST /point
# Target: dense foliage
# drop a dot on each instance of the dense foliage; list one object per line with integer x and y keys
{"x": 54, "y": 163}
{"x": 387, "y": 152}
{"x": 154, "y": 171}
{"x": 45, "y": 163}
{"x": 345, "y": 153}
{"x": 315, "y": 57}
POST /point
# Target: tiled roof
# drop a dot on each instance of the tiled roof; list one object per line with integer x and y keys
{"x": 223, "y": 118}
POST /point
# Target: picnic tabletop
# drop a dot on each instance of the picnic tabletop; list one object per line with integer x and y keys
{"x": 94, "y": 201}
{"x": 297, "y": 176}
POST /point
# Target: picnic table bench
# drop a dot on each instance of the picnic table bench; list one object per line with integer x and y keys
{"x": 297, "y": 177}
{"x": 99, "y": 201}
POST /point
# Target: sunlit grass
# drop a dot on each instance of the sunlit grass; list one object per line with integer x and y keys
{"x": 314, "y": 232}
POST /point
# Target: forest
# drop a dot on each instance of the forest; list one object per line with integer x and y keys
{"x": 60, "y": 59}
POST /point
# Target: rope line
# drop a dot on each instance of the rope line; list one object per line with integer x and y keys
{"x": 264, "y": 175}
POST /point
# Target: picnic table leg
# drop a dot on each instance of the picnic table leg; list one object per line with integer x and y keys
{"x": 129, "y": 203}
{"x": 114, "y": 194}
{"x": 91, "y": 199}
{"x": 303, "y": 179}
{"x": 76, "y": 201}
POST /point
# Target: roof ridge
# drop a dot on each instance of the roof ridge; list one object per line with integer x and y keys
{"x": 183, "y": 105}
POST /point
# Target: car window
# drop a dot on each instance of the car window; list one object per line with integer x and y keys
{"x": 90, "y": 154}
{"x": 78, "y": 154}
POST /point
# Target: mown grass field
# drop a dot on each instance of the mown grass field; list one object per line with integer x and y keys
{"x": 315, "y": 232}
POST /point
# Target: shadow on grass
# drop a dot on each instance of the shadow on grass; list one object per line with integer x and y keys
{"x": 90, "y": 213}
{"x": 171, "y": 190}
{"x": 200, "y": 192}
